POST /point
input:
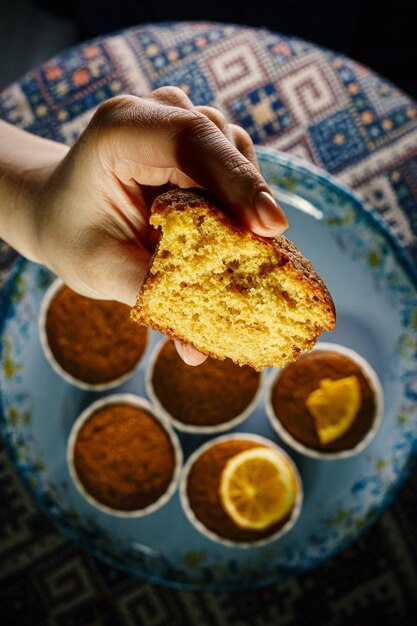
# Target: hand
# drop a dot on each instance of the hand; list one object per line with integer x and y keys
{"x": 89, "y": 222}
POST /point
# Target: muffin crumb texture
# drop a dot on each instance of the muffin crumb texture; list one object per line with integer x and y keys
{"x": 228, "y": 292}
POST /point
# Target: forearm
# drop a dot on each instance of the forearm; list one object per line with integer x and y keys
{"x": 26, "y": 162}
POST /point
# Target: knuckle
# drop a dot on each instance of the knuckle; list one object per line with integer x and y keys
{"x": 171, "y": 95}
{"x": 192, "y": 123}
{"x": 114, "y": 112}
{"x": 216, "y": 116}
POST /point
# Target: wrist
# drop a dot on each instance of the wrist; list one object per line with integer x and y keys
{"x": 34, "y": 196}
{"x": 25, "y": 172}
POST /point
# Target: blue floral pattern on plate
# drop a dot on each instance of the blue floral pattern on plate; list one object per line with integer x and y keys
{"x": 375, "y": 292}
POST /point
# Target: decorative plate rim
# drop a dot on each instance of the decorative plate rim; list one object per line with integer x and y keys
{"x": 321, "y": 175}
{"x": 401, "y": 256}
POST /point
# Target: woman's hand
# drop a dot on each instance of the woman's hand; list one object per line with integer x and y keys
{"x": 86, "y": 212}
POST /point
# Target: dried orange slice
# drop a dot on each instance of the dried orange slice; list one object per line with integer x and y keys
{"x": 257, "y": 488}
{"x": 334, "y": 406}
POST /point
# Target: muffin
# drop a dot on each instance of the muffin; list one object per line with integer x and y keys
{"x": 212, "y": 397}
{"x": 123, "y": 457}
{"x": 225, "y": 283}
{"x": 328, "y": 404}
{"x": 241, "y": 490}
{"x": 93, "y": 344}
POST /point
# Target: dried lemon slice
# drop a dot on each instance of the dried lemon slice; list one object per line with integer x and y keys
{"x": 334, "y": 406}
{"x": 257, "y": 488}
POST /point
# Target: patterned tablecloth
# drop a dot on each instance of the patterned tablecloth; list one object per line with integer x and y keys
{"x": 289, "y": 95}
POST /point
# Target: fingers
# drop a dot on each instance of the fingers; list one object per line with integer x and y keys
{"x": 188, "y": 354}
{"x": 230, "y": 174}
{"x": 153, "y": 137}
{"x": 244, "y": 143}
{"x": 217, "y": 118}
{"x": 234, "y": 133}
{"x": 170, "y": 96}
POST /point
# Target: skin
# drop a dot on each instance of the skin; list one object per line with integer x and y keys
{"x": 83, "y": 212}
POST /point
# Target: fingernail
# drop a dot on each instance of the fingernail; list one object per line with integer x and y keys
{"x": 270, "y": 213}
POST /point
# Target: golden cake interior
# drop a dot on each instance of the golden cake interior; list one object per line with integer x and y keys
{"x": 221, "y": 289}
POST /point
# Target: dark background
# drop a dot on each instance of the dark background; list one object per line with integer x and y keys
{"x": 377, "y": 576}
{"x": 382, "y": 35}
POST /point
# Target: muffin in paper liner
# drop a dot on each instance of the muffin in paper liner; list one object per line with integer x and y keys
{"x": 254, "y": 541}
{"x": 182, "y": 382}
{"x": 321, "y": 453}
{"x": 135, "y": 402}
{"x": 69, "y": 377}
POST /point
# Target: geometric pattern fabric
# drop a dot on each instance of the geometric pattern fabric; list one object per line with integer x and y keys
{"x": 292, "y": 96}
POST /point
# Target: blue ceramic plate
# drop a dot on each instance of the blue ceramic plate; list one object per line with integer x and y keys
{"x": 376, "y": 300}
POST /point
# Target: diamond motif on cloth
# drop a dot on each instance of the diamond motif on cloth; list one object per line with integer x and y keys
{"x": 337, "y": 141}
{"x": 190, "y": 79}
{"x": 381, "y": 195}
{"x": 235, "y": 70}
{"x": 262, "y": 112}
{"x": 309, "y": 92}
{"x": 15, "y": 108}
{"x": 136, "y": 80}
{"x": 298, "y": 146}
